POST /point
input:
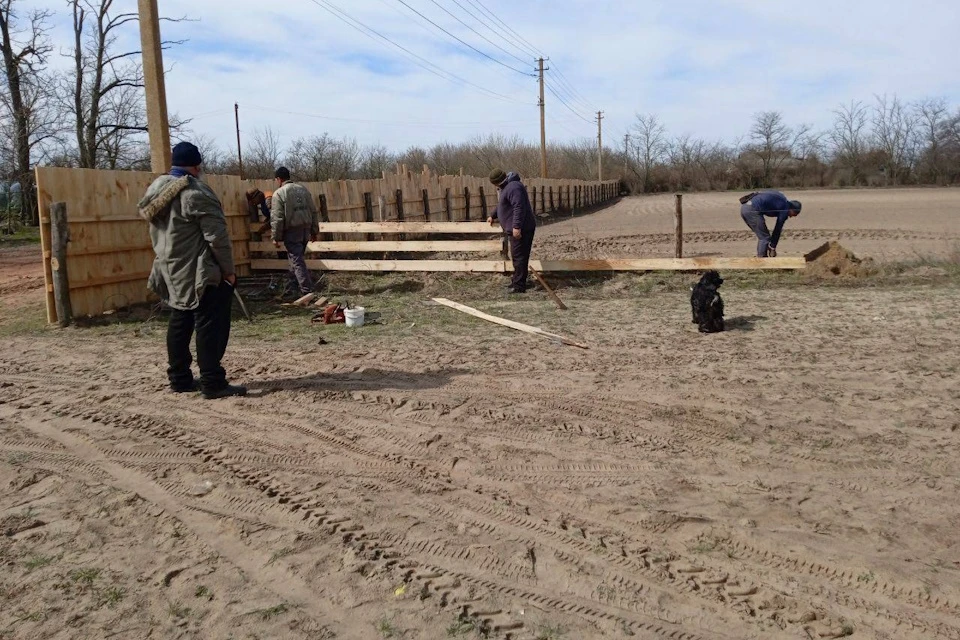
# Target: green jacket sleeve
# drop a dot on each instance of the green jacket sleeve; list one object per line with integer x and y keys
{"x": 207, "y": 210}
{"x": 278, "y": 212}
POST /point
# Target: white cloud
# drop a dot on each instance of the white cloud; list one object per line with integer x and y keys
{"x": 704, "y": 66}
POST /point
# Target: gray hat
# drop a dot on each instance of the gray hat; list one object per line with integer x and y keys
{"x": 795, "y": 206}
{"x": 497, "y": 177}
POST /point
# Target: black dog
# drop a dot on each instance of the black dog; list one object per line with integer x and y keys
{"x": 706, "y": 303}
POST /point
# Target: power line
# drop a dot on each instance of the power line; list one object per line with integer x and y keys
{"x": 499, "y": 35}
{"x": 463, "y": 42}
{"x": 562, "y": 79}
{"x": 532, "y": 49}
{"x": 385, "y": 122}
{"x": 445, "y": 10}
{"x": 567, "y": 105}
{"x": 420, "y": 61}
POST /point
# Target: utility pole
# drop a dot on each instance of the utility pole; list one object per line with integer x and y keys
{"x": 158, "y": 126}
{"x": 626, "y": 153}
{"x": 543, "y": 127}
{"x": 236, "y": 114}
{"x": 600, "y": 146}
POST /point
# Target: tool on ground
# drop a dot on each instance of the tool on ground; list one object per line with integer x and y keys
{"x": 243, "y": 305}
{"x": 547, "y": 288}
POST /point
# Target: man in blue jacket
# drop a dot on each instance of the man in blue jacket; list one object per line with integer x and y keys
{"x": 518, "y": 222}
{"x": 771, "y": 204}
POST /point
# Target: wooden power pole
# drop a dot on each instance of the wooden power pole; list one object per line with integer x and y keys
{"x": 236, "y": 115}
{"x": 543, "y": 127}
{"x": 600, "y": 146}
{"x": 157, "y": 124}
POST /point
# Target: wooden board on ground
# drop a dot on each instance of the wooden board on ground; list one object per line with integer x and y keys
{"x": 543, "y": 266}
{"x": 519, "y": 326}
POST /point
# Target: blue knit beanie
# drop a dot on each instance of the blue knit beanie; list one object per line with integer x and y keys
{"x": 186, "y": 155}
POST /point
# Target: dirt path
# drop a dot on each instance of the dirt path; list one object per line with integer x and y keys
{"x": 889, "y": 225}
{"x": 791, "y": 478}
{"x": 21, "y": 276}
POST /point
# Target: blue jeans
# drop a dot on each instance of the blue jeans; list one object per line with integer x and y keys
{"x": 758, "y": 225}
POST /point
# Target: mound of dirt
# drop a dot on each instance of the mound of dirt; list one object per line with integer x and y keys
{"x": 832, "y": 259}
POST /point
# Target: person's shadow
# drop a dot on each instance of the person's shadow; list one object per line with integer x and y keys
{"x": 366, "y": 379}
{"x": 742, "y": 323}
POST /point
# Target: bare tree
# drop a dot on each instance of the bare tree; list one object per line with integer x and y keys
{"x": 25, "y": 46}
{"x": 850, "y": 137}
{"x": 810, "y": 150}
{"x": 374, "y": 160}
{"x": 652, "y": 144}
{"x": 772, "y": 142}
{"x": 894, "y": 126}
{"x": 106, "y": 87}
{"x": 323, "y": 158}
{"x": 932, "y": 114}
{"x": 262, "y": 155}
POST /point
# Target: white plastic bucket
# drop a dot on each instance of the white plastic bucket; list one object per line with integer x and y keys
{"x": 354, "y": 317}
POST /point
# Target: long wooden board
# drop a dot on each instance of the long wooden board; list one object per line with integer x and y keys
{"x": 409, "y": 246}
{"x": 519, "y": 326}
{"x": 544, "y": 266}
{"x": 463, "y": 266}
{"x": 402, "y": 227}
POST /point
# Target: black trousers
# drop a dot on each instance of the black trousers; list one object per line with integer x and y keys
{"x": 520, "y": 253}
{"x": 212, "y": 323}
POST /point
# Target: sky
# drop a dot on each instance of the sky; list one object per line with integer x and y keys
{"x": 704, "y": 67}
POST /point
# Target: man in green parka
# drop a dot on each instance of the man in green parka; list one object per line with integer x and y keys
{"x": 193, "y": 273}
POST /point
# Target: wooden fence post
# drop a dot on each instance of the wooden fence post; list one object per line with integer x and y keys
{"x": 324, "y": 216}
{"x": 59, "y": 237}
{"x": 550, "y": 190}
{"x": 466, "y": 203}
{"x": 678, "y": 227}
{"x": 543, "y": 202}
{"x": 448, "y": 205}
{"x": 533, "y": 201}
{"x": 483, "y": 205}
{"x": 368, "y": 210}
{"x": 399, "y": 197}
{"x": 426, "y": 201}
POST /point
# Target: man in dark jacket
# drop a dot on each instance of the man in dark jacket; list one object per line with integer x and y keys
{"x": 772, "y": 204}
{"x": 193, "y": 272}
{"x": 518, "y": 222}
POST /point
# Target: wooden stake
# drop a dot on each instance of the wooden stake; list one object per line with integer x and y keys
{"x": 549, "y": 291}
{"x": 155, "y": 89}
{"x": 59, "y": 237}
{"x": 678, "y": 227}
{"x": 519, "y": 326}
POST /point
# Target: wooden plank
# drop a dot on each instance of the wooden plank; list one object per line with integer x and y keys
{"x": 669, "y": 264}
{"x": 519, "y": 326}
{"x": 412, "y": 246}
{"x": 462, "y": 266}
{"x": 544, "y": 266}
{"x": 406, "y": 227}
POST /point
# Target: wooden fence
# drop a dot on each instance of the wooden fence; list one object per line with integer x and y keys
{"x": 109, "y": 255}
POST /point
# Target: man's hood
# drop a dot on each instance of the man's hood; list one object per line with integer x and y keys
{"x": 512, "y": 177}
{"x": 156, "y": 202}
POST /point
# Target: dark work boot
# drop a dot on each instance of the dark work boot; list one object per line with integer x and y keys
{"x": 225, "y": 392}
{"x": 193, "y": 387}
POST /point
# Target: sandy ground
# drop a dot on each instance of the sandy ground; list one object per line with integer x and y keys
{"x": 888, "y": 225}
{"x": 440, "y": 477}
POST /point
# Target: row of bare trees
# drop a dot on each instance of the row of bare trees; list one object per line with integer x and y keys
{"x": 885, "y": 143}
{"x": 91, "y": 115}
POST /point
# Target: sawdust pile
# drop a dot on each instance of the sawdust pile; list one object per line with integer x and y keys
{"x": 832, "y": 259}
